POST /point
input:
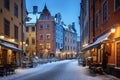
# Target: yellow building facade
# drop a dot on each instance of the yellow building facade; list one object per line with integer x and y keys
{"x": 30, "y": 39}
{"x": 10, "y": 32}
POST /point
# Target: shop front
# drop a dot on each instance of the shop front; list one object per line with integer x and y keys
{"x": 96, "y": 50}
{"x": 9, "y": 54}
{"x": 113, "y": 49}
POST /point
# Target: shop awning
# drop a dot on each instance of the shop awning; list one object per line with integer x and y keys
{"x": 99, "y": 40}
{"x": 10, "y": 47}
{"x": 3, "y": 40}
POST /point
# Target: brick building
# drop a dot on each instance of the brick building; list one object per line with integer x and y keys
{"x": 45, "y": 34}
{"x": 104, "y": 33}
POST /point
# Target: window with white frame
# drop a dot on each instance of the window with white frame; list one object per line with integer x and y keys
{"x": 41, "y": 46}
{"x": 33, "y": 41}
{"x": 33, "y": 29}
{"x": 47, "y": 36}
{"x": 47, "y": 26}
{"x": 41, "y": 36}
{"x": 41, "y": 27}
{"x": 48, "y": 45}
{"x": 45, "y": 18}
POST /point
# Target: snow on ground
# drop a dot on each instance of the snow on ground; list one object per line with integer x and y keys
{"x": 83, "y": 73}
{"x": 21, "y": 72}
{"x": 75, "y": 71}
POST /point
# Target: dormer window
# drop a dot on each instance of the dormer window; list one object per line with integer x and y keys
{"x": 45, "y": 18}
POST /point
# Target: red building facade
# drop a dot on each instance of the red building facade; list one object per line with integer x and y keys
{"x": 104, "y": 34}
{"x": 45, "y": 34}
{"x": 104, "y": 17}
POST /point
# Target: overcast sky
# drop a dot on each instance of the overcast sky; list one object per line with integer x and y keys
{"x": 69, "y": 9}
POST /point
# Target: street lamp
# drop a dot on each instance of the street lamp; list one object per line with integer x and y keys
{"x": 113, "y": 30}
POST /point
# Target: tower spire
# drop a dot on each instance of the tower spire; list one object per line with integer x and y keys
{"x": 45, "y": 7}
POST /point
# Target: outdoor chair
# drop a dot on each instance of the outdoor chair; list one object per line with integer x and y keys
{"x": 2, "y": 71}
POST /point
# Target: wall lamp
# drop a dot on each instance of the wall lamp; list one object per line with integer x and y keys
{"x": 113, "y": 30}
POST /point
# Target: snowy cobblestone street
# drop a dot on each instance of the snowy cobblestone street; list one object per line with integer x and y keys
{"x": 61, "y": 70}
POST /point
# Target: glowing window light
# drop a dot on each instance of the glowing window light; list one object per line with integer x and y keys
{"x": 113, "y": 30}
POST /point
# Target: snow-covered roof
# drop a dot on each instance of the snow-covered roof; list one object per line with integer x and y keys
{"x": 68, "y": 28}
{"x": 65, "y": 27}
{"x": 33, "y": 17}
{"x": 30, "y": 24}
{"x": 99, "y": 40}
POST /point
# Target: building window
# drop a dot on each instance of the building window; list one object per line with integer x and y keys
{"x": 33, "y": 29}
{"x": 16, "y": 32}
{"x": 41, "y": 27}
{"x": 117, "y": 4}
{"x": 65, "y": 38}
{"x": 74, "y": 48}
{"x": 45, "y": 18}
{"x": 65, "y": 47}
{"x": 73, "y": 41}
{"x": 15, "y": 9}
{"x": 48, "y": 26}
{"x": 27, "y": 29}
{"x": 47, "y": 36}
{"x": 7, "y": 4}
{"x": 48, "y": 45}
{"x": 6, "y": 27}
{"x": 33, "y": 41}
{"x": 27, "y": 41}
{"x": 41, "y": 36}
{"x": 105, "y": 10}
{"x": 96, "y": 19}
{"x": 68, "y": 47}
{"x": 41, "y": 46}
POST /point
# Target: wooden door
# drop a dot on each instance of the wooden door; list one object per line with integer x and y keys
{"x": 118, "y": 54}
{"x": 4, "y": 54}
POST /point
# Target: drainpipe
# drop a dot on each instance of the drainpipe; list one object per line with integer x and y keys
{"x": 21, "y": 32}
{"x": 93, "y": 20}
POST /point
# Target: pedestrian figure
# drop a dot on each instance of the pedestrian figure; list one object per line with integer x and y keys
{"x": 105, "y": 60}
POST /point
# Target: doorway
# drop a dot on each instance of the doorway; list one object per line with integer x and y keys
{"x": 118, "y": 54}
{"x": 4, "y": 56}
